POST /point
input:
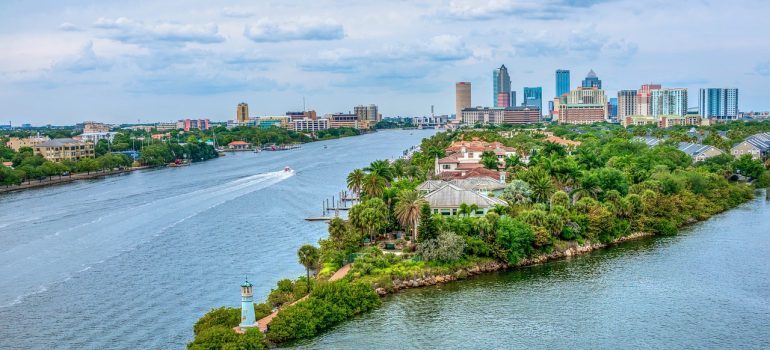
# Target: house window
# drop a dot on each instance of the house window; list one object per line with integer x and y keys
{"x": 446, "y": 166}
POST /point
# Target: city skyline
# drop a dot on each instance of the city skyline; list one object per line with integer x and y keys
{"x": 83, "y": 60}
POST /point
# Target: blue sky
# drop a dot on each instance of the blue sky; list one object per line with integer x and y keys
{"x": 67, "y": 61}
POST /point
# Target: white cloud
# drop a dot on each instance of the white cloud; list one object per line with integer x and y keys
{"x": 69, "y": 27}
{"x": 130, "y": 31}
{"x": 301, "y": 28}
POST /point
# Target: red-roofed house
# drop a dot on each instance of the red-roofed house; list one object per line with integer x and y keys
{"x": 239, "y": 145}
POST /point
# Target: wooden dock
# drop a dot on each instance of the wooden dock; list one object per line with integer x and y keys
{"x": 319, "y": 218}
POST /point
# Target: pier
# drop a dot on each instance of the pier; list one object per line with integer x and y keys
{"x": 335, "y": 205}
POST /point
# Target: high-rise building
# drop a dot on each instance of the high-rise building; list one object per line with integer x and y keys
{"x": 533, "y": 97}
{"x": 462, "y": 98}
{"x": 626, "y": 103}
{"x": 513, "y": 99}
{"x": 668, "y": 102}
{"x": 582, "y": 106}
{"x": 592, "y": 80}
{"x": 242, "y": 112}
{"x": 368, "y": 113}
{"x": 562, "y": 82}
{"x": 643, "y": 102}
{"x": 718, "y": 103}
{"x": 612, "y": 106}
{"x": 503, "y": 99}
{"x": 501, "y": 82}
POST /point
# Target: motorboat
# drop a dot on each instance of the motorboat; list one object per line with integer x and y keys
{"x": 287, "y": 169}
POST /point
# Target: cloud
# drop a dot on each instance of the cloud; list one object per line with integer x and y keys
{"x": 763, "y": 69}
{"x": 136, "y": 32}
{"x": 236, "y": 12}
{"x": 302, "y": 28}
{"x": 442, "y": 48}
{"x": 85, "y": 61}
{"x": 69, "y": 27}
{"x": 193, "y": 83}
{"x": 579, "y": 43}
{"x": 492, "y": 9}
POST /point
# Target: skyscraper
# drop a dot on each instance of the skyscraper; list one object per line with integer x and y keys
{"x": 562, "y": 82}
{"x": 503, "y": 99}
{"x": 501, "y": 82}
{"x": 626, "y": 103}
{"x": 513, "y": 99}
{"x": 592, "y": 80}
{"x": 613, "y": 108}
{"x": 462, "y": 97}
{"x": 369, "y": 113}
{"x": 242, "y": 112}
{"x": 533, "y": 97}
{"x": 668, "y": 102}
{"x": 718, "y": 102}
{"x": 643, "y": 95}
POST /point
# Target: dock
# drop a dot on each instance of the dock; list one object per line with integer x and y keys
{"x": 319, "y": 218}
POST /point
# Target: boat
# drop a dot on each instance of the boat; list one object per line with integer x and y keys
{"x": 325, "y": 146}
{"x": 287, "y": 169}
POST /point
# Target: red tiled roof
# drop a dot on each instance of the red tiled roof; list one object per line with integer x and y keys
{"x": 561, "y": 141}
{"x": 235, "y": 143}
{"x": 468, "y": 166}
{"x": 452, "y": 158}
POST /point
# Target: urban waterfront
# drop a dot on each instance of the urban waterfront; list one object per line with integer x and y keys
{"x": 706, "y": 288}
{"x": 132, "y": 261}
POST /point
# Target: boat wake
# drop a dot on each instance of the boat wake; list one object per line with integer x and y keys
{"x": 32, "y": 267}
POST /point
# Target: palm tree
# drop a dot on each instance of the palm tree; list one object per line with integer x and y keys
{"x": 356, "y": 181}
{"x": 308, "y": 257}
{"x": 472, "y": 209}
{"x": 408, "y": 210}
{"x": 464, "y": 209}
{"x": 374, "y": 185}
{"x": 381, "y": 168}
{"x": 542, "y": 188}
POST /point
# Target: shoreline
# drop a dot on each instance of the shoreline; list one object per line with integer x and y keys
{"x": 68, "y": 179}
{"x": 495, "y": 266}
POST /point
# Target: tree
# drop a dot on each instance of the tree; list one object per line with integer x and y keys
{"x": 308, "y": 257}
{"x": 447, "y": 247}
{"x": 374, "y": 185}
{"x": 542, "y": 187}
{"x": 408, "y": 209}
{"x": 512, "y": 161}
{"x": 489, "y": 160}
{"x": 748, "y": 166}
{"x": 517, "y": 192}
{"x": 382, "y": 169}
{"x": 515, "y": 237}
{"x": 371, "y": 216}
{"x": 427, "y": 229}
{"x": 356, "y": 181}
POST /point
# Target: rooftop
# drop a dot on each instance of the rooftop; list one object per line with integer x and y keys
{"x": 451, "y": 196}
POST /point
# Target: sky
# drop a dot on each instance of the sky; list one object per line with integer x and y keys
{"x": 63, "y": 62}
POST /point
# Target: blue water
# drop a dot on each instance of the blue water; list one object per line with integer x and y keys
{"x": 133, "y": 261}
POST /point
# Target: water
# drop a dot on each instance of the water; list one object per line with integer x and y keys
{"x": 708, "y": 288}
{"x": 133, "y": 261}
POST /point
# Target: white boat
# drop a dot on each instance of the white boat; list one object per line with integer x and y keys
{"x": 287, "y": 169}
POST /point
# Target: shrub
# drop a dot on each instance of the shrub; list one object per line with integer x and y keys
{"x": 221, "y": 337}
{"x": 447, "y": 247}
{"x": 224, "y": 316}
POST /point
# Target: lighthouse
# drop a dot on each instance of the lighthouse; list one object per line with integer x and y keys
{"x": 248, "y": 319}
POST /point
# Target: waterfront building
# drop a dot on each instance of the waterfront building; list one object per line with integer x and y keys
{"x": 643, "y": 99}
{"x": 189, "y": 124}
{"x": 668, "y": 102}
{"x": 239, "y": 145}
{"x": 347, "y": 120}
{"x": 758, "y": 146}
{"x": 309, "y": 125}
{"x": 248, "y": 316}
{"x": 242, "y": 113}
{"x": 626, "y": 103}
{"x": 430, "y": 122}
{"x": 497, "y": 116}
{"x": 718, "y": 103}
{"x": 367, "y": 112}
{"x": 462, "y": 97}
{"x": 447, "y": 200}
{"x": 501, "y": 82}
{"x": 57, "y": 150}
{"x": 592, "y": 81}
{"x": 562, "y": 82}
{"x": 533, "y": 97}
{"x": 302, "y": 115}
{"x": 15, "y": 143}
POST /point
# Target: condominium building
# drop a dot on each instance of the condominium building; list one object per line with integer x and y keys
{"x": 668, "y": 102}
{"x": 189, "y": 124}
{"x": 242, "y": 112}
{"x": 562, "y": 82}
{"x": 309, "y": 125}
{"x": 95, "y": 137}
{"x": 16, "y": 143}
{"x": 347, "y": 120}
{"x": 94, "y": 127}
{"x": 643, "y": 99}
{"x": 57, "y": 150}
{"x": 165, "y": 126}
{"x": 626, "y": 103}
{"x": 368, "y": 112}
{"x": 501, "y": 82}
{"x": 496, "y": 116}
{"x": 718, "y": 103}
{"x": 582, "y": 113}
{"x": 462, "y": 97}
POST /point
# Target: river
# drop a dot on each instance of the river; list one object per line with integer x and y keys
{"x": 706, "y": 288}
{"x": 132, "y": 261}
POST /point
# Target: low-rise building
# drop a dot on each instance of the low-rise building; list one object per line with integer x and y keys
{"x": 501, "y": 115}
{"x": 758, "y": 146}
{"x": 309, "y": 125}
{"x": 188, "y": 124}
{"x": 696, "y": 151}
{"x": 239, "y": 145}
{"x": 57, "y": 150}
{"x": 16, "y": 143}
{"x": 582, "y": 113}
{"x": 94, "y": 127}
{"x": 448, "y": 199}
{"x": 95, "y": 137}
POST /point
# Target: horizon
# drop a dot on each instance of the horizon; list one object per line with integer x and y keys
{"x": 117, "y": 63}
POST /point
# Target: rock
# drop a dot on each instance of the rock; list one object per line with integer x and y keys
{"x": 381, "y": 291}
